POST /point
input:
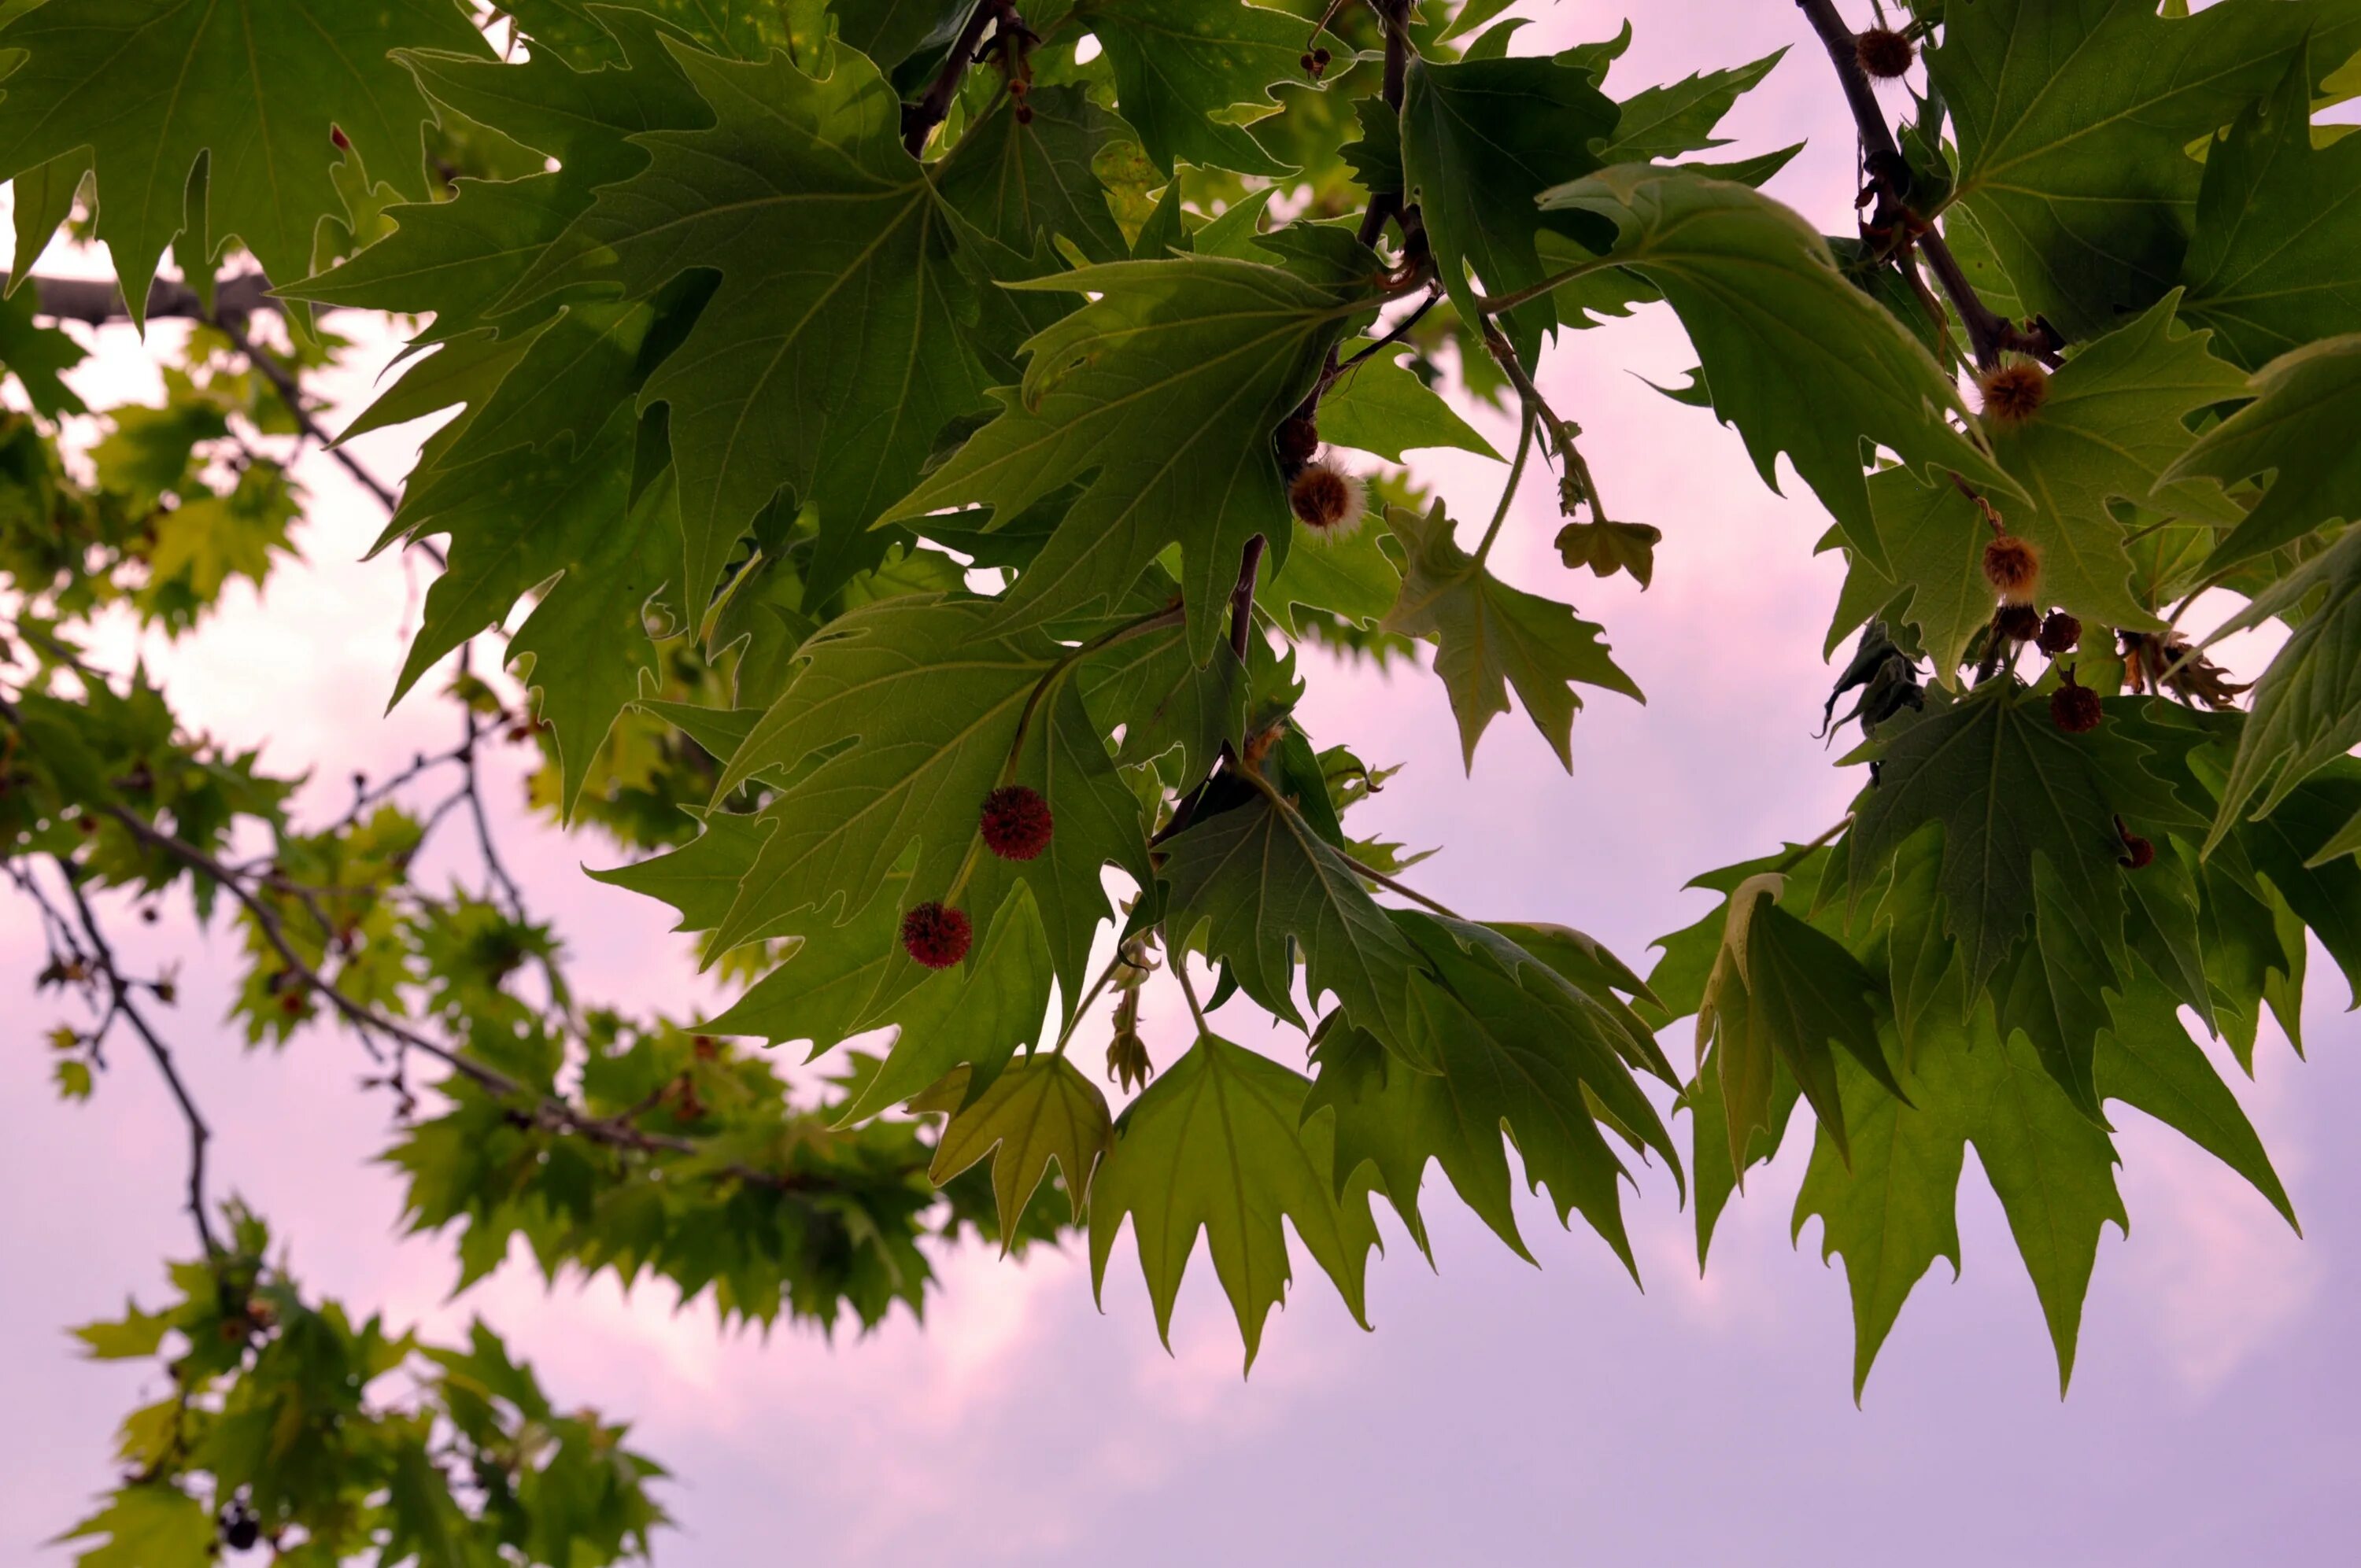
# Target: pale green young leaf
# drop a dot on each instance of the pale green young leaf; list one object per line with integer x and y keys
{"x": 1219, "y": 1142}
{"x": 151, "y": 1524}
{"x": 1489, "y": 636}
{"x": 1040, "y": 1110}
{"x": 1380, "y": 405}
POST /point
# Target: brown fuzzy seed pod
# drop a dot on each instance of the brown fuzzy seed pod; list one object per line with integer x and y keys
{"x": 2014, "y": 393}
{"x": 2017, "y": 622}
{"x": 936, "y": 935}
{"x": 2075, "y": 709}
{"x": 2013, "y": 567}
{"x": 1016, "y": 823}
{"x": 2060, "y": 634}
{"x": 1884, "y": 53}
{"x": 1325, "y": 499}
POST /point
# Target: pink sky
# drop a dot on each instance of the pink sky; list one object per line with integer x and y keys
{"x": 1497, "y": 1410}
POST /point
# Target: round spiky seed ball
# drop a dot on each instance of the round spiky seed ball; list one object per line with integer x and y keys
{"x": 2017, "y": 622}
{"x": 2059, "y": 633}
{"x": 936, "y": 935}
{"x": 2013, "y": 567}
{"x": 1024, "y": 113}
{"x": 1884, "y": 53}
{"x": 2138, "y": 851}
{"x": 2075, "y": 709}
{"x": 1326, "y": 500}
{"x": 1016, "y": 823}
{"x": 2014, "y": 393}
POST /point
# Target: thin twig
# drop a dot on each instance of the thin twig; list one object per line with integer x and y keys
{"x": 123, "y": 1004}
{"x": 291, "y": 393}
{"x": 919, "y": 119}
{"x": 1562, "y": 432}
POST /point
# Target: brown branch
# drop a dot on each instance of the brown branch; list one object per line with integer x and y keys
{"x": 1888, "y": 173}
{"x": 1242, "y": 598}
{"x": 291, "y": 392}
{"x": 122, "y": 1004}
{"x": 919, "y": 119}
{"x": 94, "y": 302}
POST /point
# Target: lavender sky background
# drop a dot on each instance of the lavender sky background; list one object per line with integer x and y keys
{"x": 1498, "y": 1411}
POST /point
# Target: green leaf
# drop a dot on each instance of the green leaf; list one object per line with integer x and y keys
{"x": 913, "y": 706}
{"x": 1218, "y": 1143}
{"x": 2007, "y": 784}
{"x": 889, "y": 31}
{"x": 1379, "y": 406}
{"x": 132, "y": 1337}
{"x": 1489, "y": 636}
{"x": 1892, "y": 1214}
{"x": 36, "y": 354}
{"x": 700, "y": 877}
{"x": 2147, "y": 1060}
{"x": 1179, "y": 62}
{"x": 1019, "y": 181}
{"x": 1680, "y": 116}
{"x": 1164, "y": 699}
{"x": 1480, "y": 139}
{"x": 2275, "y": 260}
{"x": 253, "y": 89}
{"x": 2074, "y": 123}
{"x": 2307, "y": 705}
{"x": 1169, "y": 383}
{"x": 2110, "y": 427}
{"x": 2300, "y": 424}
{"x": 1795, "y": 356}
{"x": 583, "y": 31}
{"x": 1040, "y": 1110}
{"x": 801, "y": 376}
{"x": 151, "y": 1524}
{"x": 1255, "y": 888}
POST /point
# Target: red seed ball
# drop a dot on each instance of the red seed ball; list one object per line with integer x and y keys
{"x": 2075, "y": 709}
{"x": 936, "y": 935}
{"x": 2017, "y": 622}
{"x": 2138, "y": 851}
{"x": 1016, "y": 823}
{"x": 2059, "y": 633}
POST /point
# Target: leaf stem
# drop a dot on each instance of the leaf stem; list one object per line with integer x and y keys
{"x": 1180, "y": 961}
{"x": 919, "y": 119}
{"x": 1562, "y": 432}
{"x": 1509, "y": 490}
{"x": 1496, "y": 304}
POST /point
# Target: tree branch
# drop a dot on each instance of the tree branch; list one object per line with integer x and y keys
{"x": 1242, "y": 598}
{"x": 291, "y": 392}
{"x": 96, "y": 301}
{"x": 919, "y": 119}
{"x": 1887, "y": 171}
{"x": 122, "y": 1004}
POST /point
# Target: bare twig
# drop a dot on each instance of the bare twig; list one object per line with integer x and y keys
{"x": 291, "y": 393}
{"x": 122, "y": 1003}
{"x": 919, "y": 119}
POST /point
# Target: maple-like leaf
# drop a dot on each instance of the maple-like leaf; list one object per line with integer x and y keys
{"x": 1040, "y": 1110}
{"x": 1020, "y": 180}
{"x": 2307, "y": 705}
{"x": 1168, "y": 384}
{"x": 1894, "y": 1213}
{"x": 1490, "y": 636}
{"x": 1380, "y": 405}
{"x": 1515, "y": 1050}
{"x": 149, "y": 1524}
{"x": 2008, "y": 785}
{"x": 2300, "y": 426}
{"x": 1256, "y": 889}
{"x": 1679, "y": 117}
{"x": 1797, "y": 358}
{"x": 1480, "y": 139}
{"x": 1218, "y": 1143}
{"x": 2074, "y": 123}
{"x": 911, "y": 708}
{"x": 1179, "y": 63}
{"x": 2275, "y": 262}
{"x": 2110, "y": 427}
{"x": 253, "y": 89}
{"x": 587, "y": 34}
{"x": 837, "y": 284}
